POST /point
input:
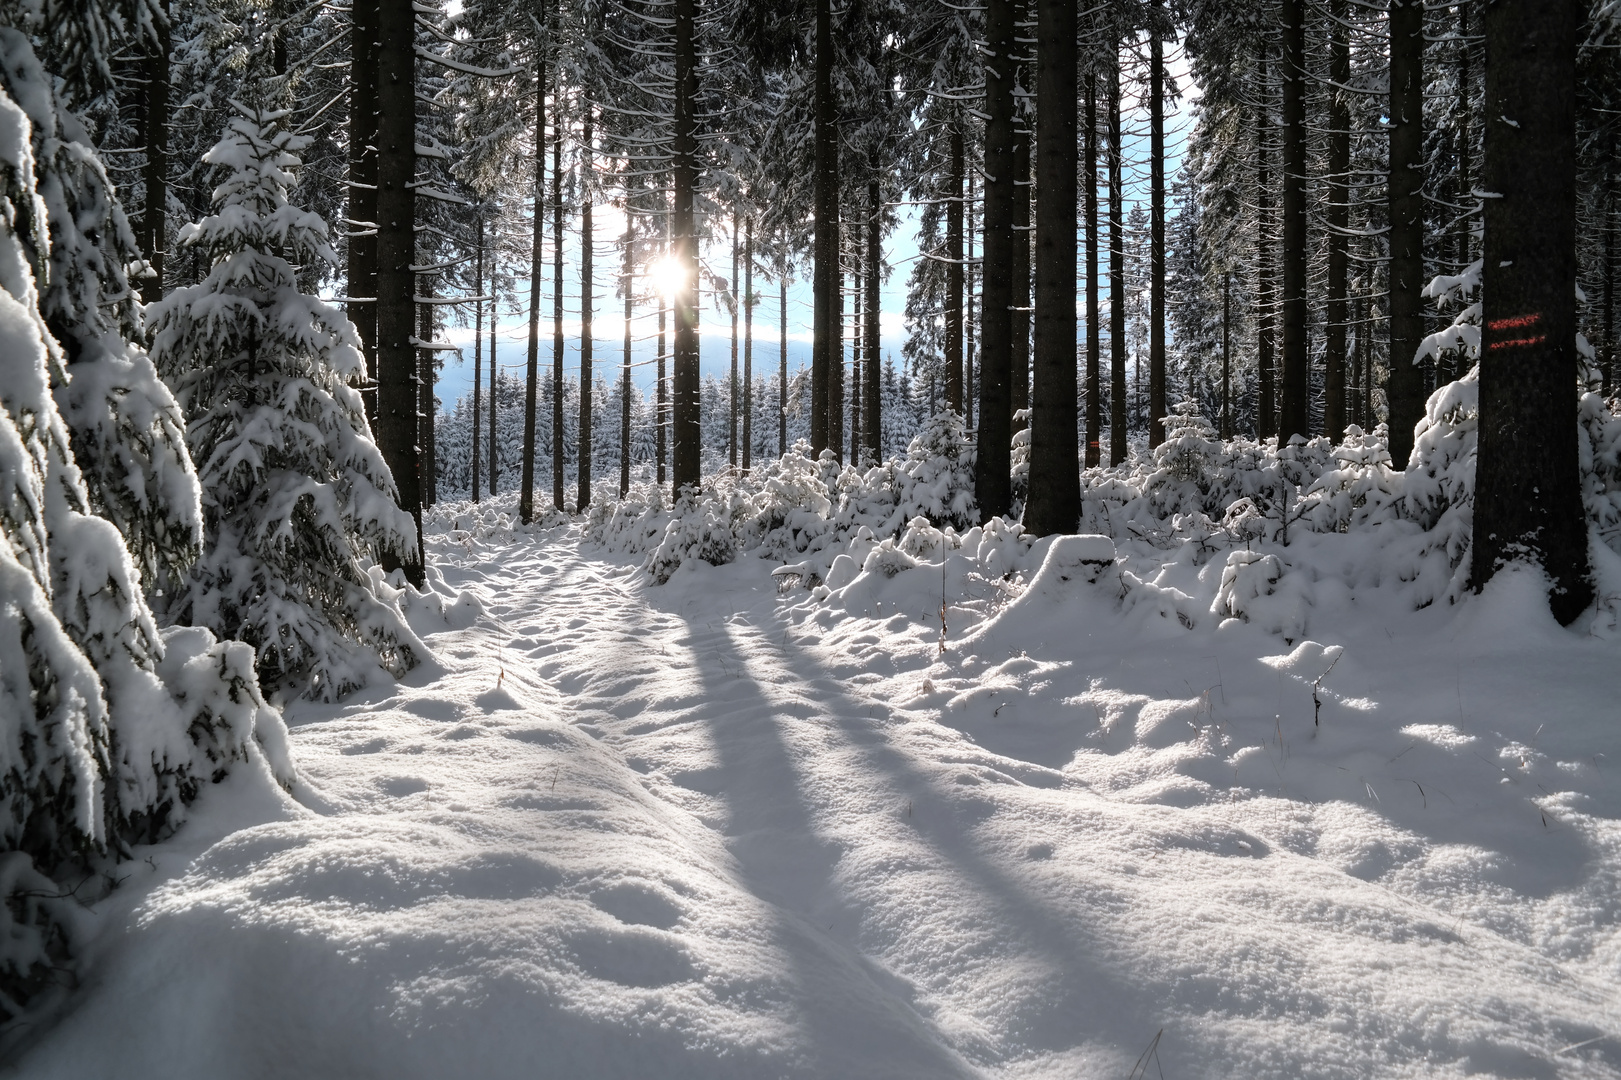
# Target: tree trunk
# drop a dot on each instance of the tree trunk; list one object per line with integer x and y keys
{"x": 425, "y": 403}
{"x": 1266, "y": 422}
{"x": 992, "y": 482}
{"x": 748, "y": 343}
{"x": 968, "y": 334}
{"x": 1157, "y": 406}
{"x": 826, "y": 324}
{"x": 362, "y": 224}
{"x": 782, "y": 362}
{"x": 661, "y": 394}
{"x": 1295, "y": 408}
{"x": 1019, "y": 302}
{"x": 871, "y": 427}
{"x": 1226, "y": 355}
{"x": 731, "y": 287}
{"x": 858, "y": 350}
{"x": 686, "y": 434}
{"x": 478, "y": 347}
{"x": 156, "y": 172}
{"x": 1117, "y": 275}
{"x": 1054, "y": 501}
{"x": 1094, "y": 331}
{"x": 396, "y": 252}
{"x": 495, "y": 450}
{"x": 624, "y": 388}
{"x": 582, "y": 492}
{"x": 835, "y": 376}
{"x": 1609, "y": 354}
{"x": 954, "y": 276}
{"x": 537, "y": 256}
{"x": 559, "y": 451}
{"x": 1528, "y": 497}
{"x": 1338, "y": 214}
{"x": 1405, "y": 393}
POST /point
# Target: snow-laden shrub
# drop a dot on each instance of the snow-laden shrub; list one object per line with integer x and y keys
{"x": 1360, "y": 491}
{"x": 699, "y": 530}
{"x": 936, "y": 478}
{"x": 1600, "y": 452}
{"x": 298, "y": 502}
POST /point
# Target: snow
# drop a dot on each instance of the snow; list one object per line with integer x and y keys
{"x": 725, "y": 826}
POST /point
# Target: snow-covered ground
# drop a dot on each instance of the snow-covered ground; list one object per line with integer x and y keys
{"x": 708, "y": 829}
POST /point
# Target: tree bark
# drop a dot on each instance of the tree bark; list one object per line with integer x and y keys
{"x": 782, "y": 362}
{"x": 156, "y": 171}
{"x": 478, "y": 348}
{"x": 396, "y": 252}
{"x": 495, "y": 451}
{"x": 1117, "y": 275}
{"x": 1022, "y": 236}
{"x": 662, "y": 392}
{"x": 748, "y": 343}
{"x": 992, "y": 462}
{"x": 871, "y": 427}
{"x": 968, "y": 334}
{"x": 1405, "y": 392}
{"x": 1266, "y": 422}
{"x": 1094, "y": 329}
{"x": 1338, "y": 215}
{"x": 859, "y": 346}
{"x": 1528, "y": 498}
{"x": 1157, "y": 406}
{"x": 685, "y": 431}
{"x": 954, "y": 275}
{"x": 827, "y": 332}
{"x": 425, "y": 402}
{"x": 1054, "y": 501}
{"x": 1295, "y": 408}
{"x": 537, "y": 256}
{"x": 624, "y": 387}
{"x": 731, "y": 287}
{"x": 559, "y": 451}
{"x": 582, "y": 488}
{"x": 362, "y": 224}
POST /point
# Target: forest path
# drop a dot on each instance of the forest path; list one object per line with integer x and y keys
{"x": 702, "y": 830}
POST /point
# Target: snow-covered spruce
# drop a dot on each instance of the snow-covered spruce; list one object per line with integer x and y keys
{"x": 107, "y": 728}
{"x": 127, "y": 433}
{"x": 298, "y": 503}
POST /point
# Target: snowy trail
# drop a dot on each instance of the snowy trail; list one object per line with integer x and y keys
{"x": 702, "y": 830}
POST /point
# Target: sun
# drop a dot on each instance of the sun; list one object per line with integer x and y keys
{"x": 664, "y": 273}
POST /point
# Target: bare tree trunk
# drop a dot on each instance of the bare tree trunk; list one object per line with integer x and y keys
{"x": 1405, "y": 394}
{"x": 1266, "y": 422}
{"x": 748, "y": 343}
{"x": 661, "y": 394}
{"x": 537, "y": 256}
{"x": 559, "y": 451}
{"x": 624, "y": 388}
{"x": 1296, "y": 405}
{"x": 826, "y": 321}
{"x": 687, "y": 437}
{"x": 992, "y": 483}
{"x": 782, "y": 362}
{"x": 1528, "y": 498}
{"x": 1094, "y": 331}
{"x": 731, "y": 287}
{"x": 582, "y": 490}
{"x": 954, "y": 276}
{"x": 362, "y": 224}
{"x": 858, "y": 350}
{"x": 969, "y": 336}
{"x": 1338, "y": 214}
{"x": 1157, "y": 406}
{"x": 1019, "y": 302}
{"x": 495, "y": 450}
{"x": 835, "y": 375}
{"x": 425, "y": 402}
{"x": 1226, "y": 355}
{"x": 478, "y": 348}
{"x": 1054, "y": 501}
{"x": 871, "y": 427}
{"x": 1117, "y": 275}
{"x": 396, "y": 284}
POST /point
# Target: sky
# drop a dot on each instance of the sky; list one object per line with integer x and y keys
{"x": 608, "y": 326}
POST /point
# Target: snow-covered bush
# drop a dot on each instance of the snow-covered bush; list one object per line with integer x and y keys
{"x": 699, "y": 530}
{"x": 298, "y": 502}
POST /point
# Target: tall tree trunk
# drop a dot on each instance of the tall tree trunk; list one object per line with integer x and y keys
{"x": 1466, "y": 163}
{"x": 970, "y": 338}
{"x": 992, "y": 462}
{"x": 954, "y": 275}
{"x": 871, "y": 427}
{"x": 587, "y": 305}
{"x": 731, "y": 286}
{"x": 396, "y": 252}
{"x": 1609, "y": 355}
{"x": 826, "y": 323}
{"x": 1338, "y": 214}
{"x": 1405, "y": 393}
{"x": 1528, "y": 497}
{"x": 478, "y": 348}
{"x": 748, "y": 343}
{"x": 1054, "y": 501}
{"x": 1157, "y": 406}
{"x": 624, "y": 387}
{"x": 537, "y": 258}
{"x": 362, "y": 224}
{"x": 1295, "y": 410}
{"x": 835, "y": 377}
{"x": 559, "y": 451}
{"x": 495, "y": 450}
{"x": 1227, "y": 355}
{"x": 156, "y": 172}
{"x": 1266, "y": 313}
{"x": 425, "y": 402}
{"x": 1019, "y": 302}
{"x": 686, "y": 434}
{"x": 661, "y": 395}
{"x": 858, "y": 346}
{"x": 1117, "y": 274}
{"x": 782, "y": 362}
{"x": 1094, "y": 330}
